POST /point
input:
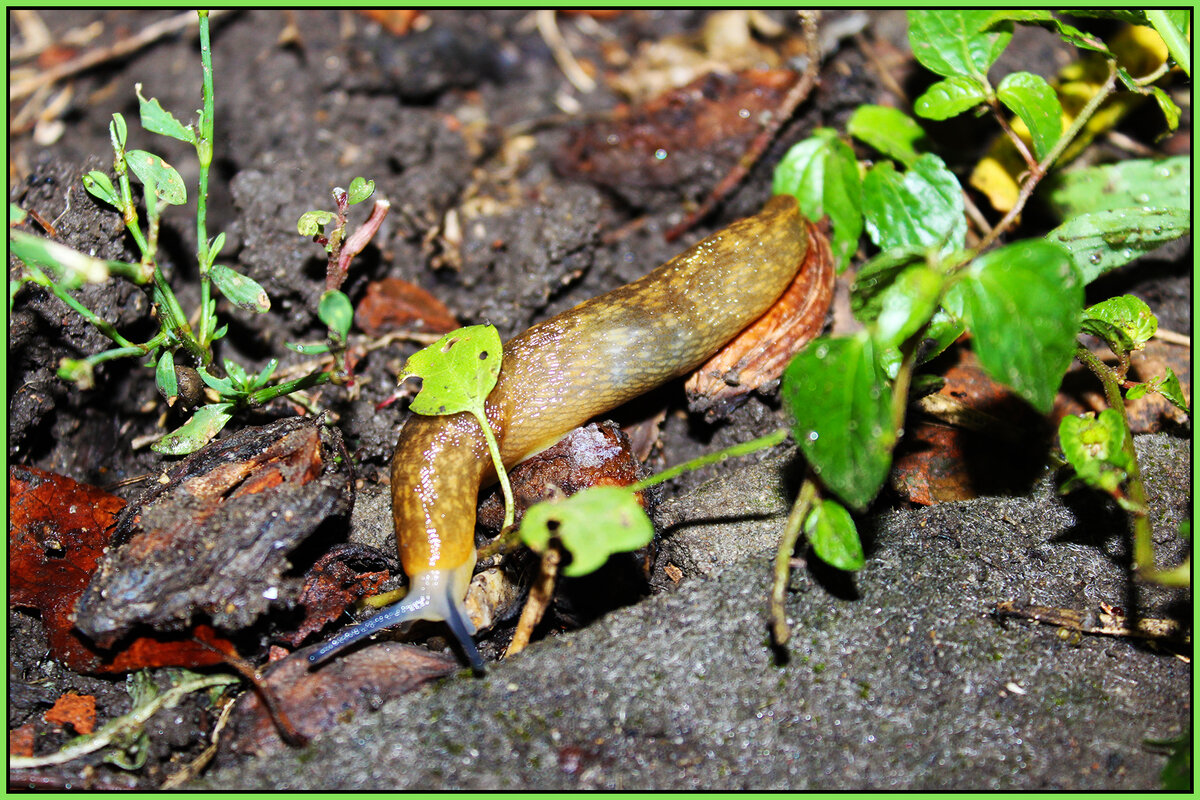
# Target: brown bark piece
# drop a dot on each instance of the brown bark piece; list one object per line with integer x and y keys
{"x": 76, "y": 710}
{"x": 395, "y": 304}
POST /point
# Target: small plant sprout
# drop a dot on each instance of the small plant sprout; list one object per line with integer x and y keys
{"x": 179, "y": 351}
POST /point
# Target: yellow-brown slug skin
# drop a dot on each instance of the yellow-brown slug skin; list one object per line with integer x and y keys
{"x": 562, "y": 372}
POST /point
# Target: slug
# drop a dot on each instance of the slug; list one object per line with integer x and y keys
{"x": 556, "y": 376}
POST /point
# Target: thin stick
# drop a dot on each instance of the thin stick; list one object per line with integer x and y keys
{"x": 538, "y": 602}
{"x": 547, "y": 26}
{"x": 148, "y": 35}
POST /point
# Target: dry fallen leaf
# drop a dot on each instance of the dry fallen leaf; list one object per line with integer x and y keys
{"x": 78, "y": 711}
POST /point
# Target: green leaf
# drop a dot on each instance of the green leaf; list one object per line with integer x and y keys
{"x": 236, "y": 373}
{"x": 360, "y": 189}
{"x": 1035, "y": 102}
{"x": 16, "y": 214}
{"x": 78, "y": 372}
{"x": 150, "y": 168}
{"x": 1023, "y": 304}
{"x": 1101, "y": 241}
{"x": 307, "y": 349}
{"x": 198, "y": 431}
{"x": 1045, "y": 19}
{"x": 215, "y": 247}
{"x": 117, "y": 132}
{"x": 822, "y": 174}
{"x": 222, "y": 385}
{"x": 833, "y": 536}
{"x": 923, "y": 208}
{"x": 888, "y": 130}
{"x": 907, "y": 305}
{"x": 335, "y": 311}
{"x": 877, "y": 275}
{"x": 841, "y": 402}
{"x": 592, "y": 525}
{"x": 1173, "y": 26}
{"x": 1128, "y": 315}
{"x": 944, "y": 329}
{"x": 156, "y": 119}
{"x": 264, "y": 375}
{"x": 69, "y": 268}
{"x": 1167, "y": 385}
{"x": 1094, "y": 446}
{"x": 1158, "y": 183}
{"x": 164, "y": 376}
{"x": 101, "y": 187}
{"x": 956, "y": 42}
{"x": 311, "y": 222}
{"x": 1170, "y": 111}
{"x": 457, "y": 371}
{"x": 950, "y": 97}
{"x": 240, "y": 290}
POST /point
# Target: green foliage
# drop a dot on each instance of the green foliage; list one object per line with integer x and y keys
{"x": 821, "y": 173}
{"x": 834, "y": 538}
{"x": 198, "y": 431}
{"x": 953, "y": 43}
{"x": 1095, "y": 448}
{"x": 1035, "y": 102}
{"x": 922, "y": 207}
{"x": 591, "y": 525}
{"x": 1101, "y": 241}
{"x": 1136, "y": 183}
{"x": 1125, "y": 323}
{"x": 457, "y": 372}
{"x": 240, "y": 290}
{"x": 888, "y": 130}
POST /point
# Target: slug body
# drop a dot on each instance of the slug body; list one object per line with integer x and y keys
{"x": 556, "y": 376}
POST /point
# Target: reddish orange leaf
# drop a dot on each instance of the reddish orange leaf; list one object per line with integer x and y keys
{"x": 76, "y": 710}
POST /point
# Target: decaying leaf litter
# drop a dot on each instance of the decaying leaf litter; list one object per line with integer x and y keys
{"x": 491, "y": 238}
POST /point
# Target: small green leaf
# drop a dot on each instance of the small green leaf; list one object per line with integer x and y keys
{"x": 457, "y": 371}
{"x": 592, "y": 525}
{"x": 156, "y": 119}
{"x": 1127, "y": 314}
{"x": 1035, "y": 102}
{"x": 215, "y": 247}
{"x": 1023, "y": 304}
{"x": 822, "y": 174}
{"x": 1045, "y": 19}
{"x": 198, "y": 431}
{"x": 1170, "y": 111}
{"x": 16, "y": 214}
{"x": 888, "y": 130}
{"x": 222, "y": 385}
{"x": 833, "y": 536}
{"x": 307, "y": 349}
{"x": 100, "y": 186}
{"x": 924, "y": 208}
{"x": 960, "y": 42}
{"x": 876, "y": 276}
{"x": 240, "y": 290}
{"x": 236, "y": 373}
{"x": 907, "y": 305}
{"x": 360, "y": 189}
{"x": 150, "y": 168}
{"x": 950, "y": 97}
{"x": 264, "y": 375}
{"x": 943, "y": 331}
{"x": 1104, "y": 240}
{"x": 117, "y": 132}
{"x": 78, "y": 372}
{"x": 1094, "y": 446}
{"x": 841, "y": 402}
{"x": 336, "y": 312}
{"x": 1167, "y": 385}
{"x": 1157, "y": 183}
{"x": 70, "y": 268}
{"x": 311, "y": 222}
{"x": 164, "y": 376}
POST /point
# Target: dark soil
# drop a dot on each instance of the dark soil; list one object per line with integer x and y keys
{"x": 465, "y": 117}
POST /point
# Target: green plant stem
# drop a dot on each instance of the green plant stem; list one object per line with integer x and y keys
{"x": 1143, "y": 542}
{"x": 1175, "y": 40}
{"x": 494, "y": 448}
{"x": 123, "y": 726}
{"x": 204, "y": 154}
{"x": 271, "y": 392}
{"x": 102, "y": 325}
{"x": 780, "y": 630}
{"x": 745, "y": 448}
{"x": 1037, "y": 173}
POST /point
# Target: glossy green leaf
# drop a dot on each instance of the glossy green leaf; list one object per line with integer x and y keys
{"x": 950, "y": 97}
{"x": 1023, "y": 305}
{"x": 150, "y": 168}
{"x": 907, "y": 305}
{"x": 1169, "y": 388}
{"x": 457, "y": 371}
{"x": 888, "y": 130}
{"x": 215, "y": 246}
{"x": 922, "y": 208}
{"x": 1104, "y": 240}
{"x": 1171, "y": 112}
{"x": 101, "y": 187}
{"x": 360, "y": 189}
{"x": 1045, "y": 19}
{"x": 69, "y": 268}
{"x": 222, "y": 385}
{"x": 335, "y": 310}
{"x": 198, "y": 431}
{"x": 841, "y": 404}
{"x": 264, "y": 374}
{"x": 311, "y": 222}
{"x": 1036, "y": 103}
{"x": 592, "y": 525}
{"x": 1095, "y": 448}
{"x": 957, "y": 42}
{"x": 1129, "y": 316}
{"x": 157, "y": 119}
{"x": 307, "y": 349}
{"x": 164, "y": 376}
{"x": 876, "y": 276}
{"x": 117, "y": 131}
{"x": 944, "y": 329}
{"x": 1157, "y": 183}
{"x": 236, "y": 373}
{"x": 240, "y": 290}
{"x": 834, "y": 538}
{"x": 1173, "y": 27}
{"x": 822, "y": 174}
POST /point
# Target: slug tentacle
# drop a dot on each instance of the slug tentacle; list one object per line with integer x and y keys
{"x": 559, "y": 374}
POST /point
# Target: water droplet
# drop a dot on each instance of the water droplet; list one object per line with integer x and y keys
{"x": 1141, "y": 198}
{"x": 813, "y": 436}
{"x": 1158, "y": 230}
{"x": 660, "y": 154}
{"x": 1095, "y": 258}
{"x": 744, "y": 113}
{"x": 821, "y": 351}
{"x": 876, "y": 431}
{"x": 613, "y": 139}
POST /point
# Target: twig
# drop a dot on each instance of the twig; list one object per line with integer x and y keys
{"x": 194, "y": 767}
{"x": 795, "y": 96}
{"x": 538, "y": 602}
{"x": 547, "y": 25}
{"x": 780, "y": 630}
{"x": 148, "y": 35}
{"x": 1172, "y": 337}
